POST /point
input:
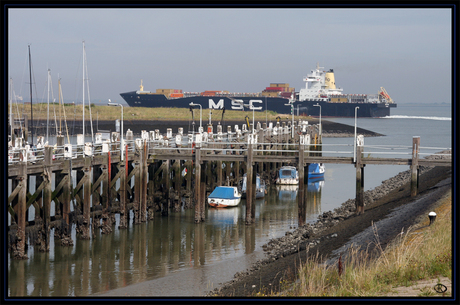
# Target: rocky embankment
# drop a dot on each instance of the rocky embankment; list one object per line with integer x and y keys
{"x": 323, "y": 230}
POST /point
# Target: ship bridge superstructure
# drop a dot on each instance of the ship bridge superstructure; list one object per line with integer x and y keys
{"x": 319, "y": 85}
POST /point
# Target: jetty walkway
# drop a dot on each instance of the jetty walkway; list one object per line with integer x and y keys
{"x": 117, "y": 175}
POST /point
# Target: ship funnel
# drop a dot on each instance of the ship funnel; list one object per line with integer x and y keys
{"x": 330, "y": 80}
{"x": 141, "y": 87}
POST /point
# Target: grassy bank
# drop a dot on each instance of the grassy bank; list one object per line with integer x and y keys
{"x": 102, "y": 112}
{"x": 423, "y": 252}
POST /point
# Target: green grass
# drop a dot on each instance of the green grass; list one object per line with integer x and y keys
{"x": 418, "y": 254}
{"x": 103, "y": 112}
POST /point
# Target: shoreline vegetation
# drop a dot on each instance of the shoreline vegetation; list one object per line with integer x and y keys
{"x": 106, "y": 113}
{"x": 422, "y": 252}
{"x": 143, "y": 118}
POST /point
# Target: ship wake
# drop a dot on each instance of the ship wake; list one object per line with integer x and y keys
{"x": 435, "y": 118}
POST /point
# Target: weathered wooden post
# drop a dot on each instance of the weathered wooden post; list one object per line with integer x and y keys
{"x": 45, "y": 231}
{"x": 303, "y": 173}
{"x": 20, "y": 188}
{"x": 219, "y": 173}
{"x": 188, "y": 176}
{"x": 167, "y": 191}
{"x": 66, "y": 239}
{"x": 144, "y": 181}
{"x": 86, "y": 202}
{"x": 249, "y": 185}
{"x": 414, "y": 166}
{"x": 359, "y": 201}
{"x": 137, "y": 180}
{"x": 152, "y": 167}
{"x": 203, "y": 189}
{"x": 122, "y": 191}
{"x": 106, "y": 203}
{"x": 198, "y": 183}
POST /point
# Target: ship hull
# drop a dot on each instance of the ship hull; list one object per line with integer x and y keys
{"x": 328, "y": 109}
{"x": 276, "y": 104}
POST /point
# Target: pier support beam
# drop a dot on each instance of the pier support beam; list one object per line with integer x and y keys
{"x": 18, "y": 242}
{"x": 137, "y": 183}
{"x": 106, "y": 195}
{"x": 65, "y": 230}
{"x": 198, "y": 198}
{"x": 86, "y": 202}
{"x": 45, "y": 231}
{"x": 359, "y": 201}
{"x": 249, "y": 185}
{"x": 303, "y": 181}
{"x": 414, "y": 166}
{"x": 122, "y": 191}
{"x": 144, "y": 181}
{"x": 151, "y": 189}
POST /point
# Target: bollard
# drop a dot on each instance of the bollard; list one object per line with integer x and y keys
{"x": 432, "y": 217}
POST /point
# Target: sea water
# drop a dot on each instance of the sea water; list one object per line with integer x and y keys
{"x": 173, "y": 256}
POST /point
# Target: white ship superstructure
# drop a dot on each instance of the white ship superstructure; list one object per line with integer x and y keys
{"x": 319, "y": 85}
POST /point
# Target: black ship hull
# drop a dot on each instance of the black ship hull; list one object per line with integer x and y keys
{"x": 247, "y": 103}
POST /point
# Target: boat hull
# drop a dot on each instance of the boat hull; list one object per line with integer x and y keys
{"x": 224, "y": 196}
{"x": 276, "y": 104}
{"x": 223, "y": 203}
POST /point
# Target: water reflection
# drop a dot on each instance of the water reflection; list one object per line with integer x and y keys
{"x": 157, "y": 248}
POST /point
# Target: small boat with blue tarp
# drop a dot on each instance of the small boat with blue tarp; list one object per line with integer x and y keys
{"x": 288, "y": 175}
{"x": 224, "y": 196}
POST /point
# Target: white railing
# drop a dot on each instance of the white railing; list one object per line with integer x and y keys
{"x": 185, "y": 142}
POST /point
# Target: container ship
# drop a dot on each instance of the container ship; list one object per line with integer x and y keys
{"x": 319, "y": 97}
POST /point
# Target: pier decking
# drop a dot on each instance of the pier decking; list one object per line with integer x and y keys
{"x": 156, "y": 171}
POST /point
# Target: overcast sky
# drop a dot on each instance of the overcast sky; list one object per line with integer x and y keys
{"x": 406, "y": 51}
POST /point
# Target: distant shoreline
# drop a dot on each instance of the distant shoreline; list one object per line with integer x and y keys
{"x": 330, "y": 129}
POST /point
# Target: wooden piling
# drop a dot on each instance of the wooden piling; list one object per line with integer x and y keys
{"x": 144, "y": 181}
{"x": 198, "y": 198}
{"x": 414, "y": 166}
{"x": 303, "y": 180}
{"x": 122, "y": 196}
{"x": 106, "y": 203}
{"x": 249, "y": 185}
{"x": 19, "y": 242}
{"x": 47, "y": 198}
{"x": 359, "y": 201}
{"x": 86, "y": 202}
{"x": 65, "y": 237}
{"x": 137, "y": 184}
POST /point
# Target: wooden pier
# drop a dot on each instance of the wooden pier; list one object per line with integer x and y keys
{"x": 157, "y": 172}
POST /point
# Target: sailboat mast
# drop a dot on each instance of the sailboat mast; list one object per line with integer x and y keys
{"x": 83, "y": 65}
{"x": 11, "y": 108}
{"x": 59, "y": 97}
{"x": 48, "y": 112}
{"x": 31, "y": 110}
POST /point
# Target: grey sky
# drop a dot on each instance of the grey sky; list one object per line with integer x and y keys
{"x": 406, "y": 51}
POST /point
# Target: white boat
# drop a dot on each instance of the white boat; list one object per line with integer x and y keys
{"x": 224, "y": 196}
{"x": 288, "y": 175}
{"x": 260, "y": 187}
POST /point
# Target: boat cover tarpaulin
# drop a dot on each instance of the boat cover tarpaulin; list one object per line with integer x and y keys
{"x": 313, "y": 168}
{"x": 287, "y": 173}
{"x": 222, "y": 192}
